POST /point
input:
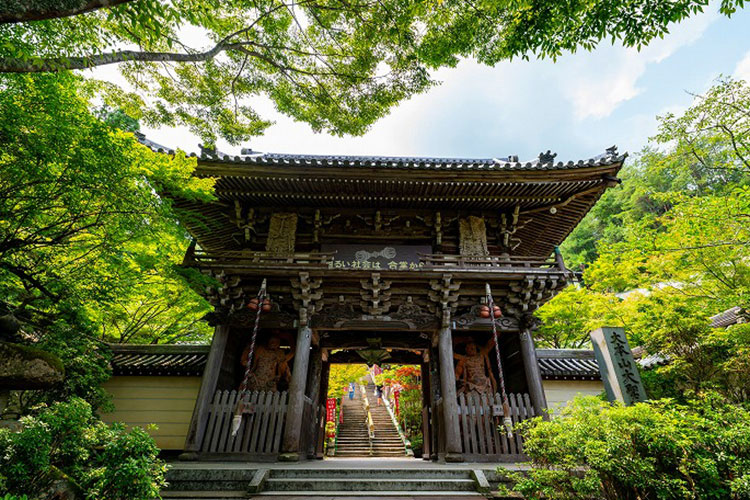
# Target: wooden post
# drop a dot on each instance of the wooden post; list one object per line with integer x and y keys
{"x": 321, "y": 436}
{"x": 453, "y": 450}
{"x": 291, "y": 445}
{"x": 533, "y": 375}
{"x": 426, "y": 430}
{"x": 313, "y": 392}
{"x": 434, "y": 387}
{"x": 197, "y": 428}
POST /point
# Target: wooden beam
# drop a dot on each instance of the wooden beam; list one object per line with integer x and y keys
{"x": 197, "y": 428}
{"x": 292, "y": 432}
{"x": 533, "y": 374}
{"x": 453, "y": 450}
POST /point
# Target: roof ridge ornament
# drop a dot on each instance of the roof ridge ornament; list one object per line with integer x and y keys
{"x": 612, "y": 150}
{"x": 548, "y": 157}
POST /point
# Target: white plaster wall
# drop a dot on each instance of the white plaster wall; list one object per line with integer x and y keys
{"x": 559, "y": 392}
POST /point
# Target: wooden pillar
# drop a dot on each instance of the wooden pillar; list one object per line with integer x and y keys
{"x": 313, "y": 392}
{"x": 322, "y": 400}
{"x": 198, "y": 422}
{"x": 291, "y": 444}
{"x": 533, "y": 375}
{"x": 434, "y": 387}
{"x": 426, "y": 429}
{"x": 453, "y": 451}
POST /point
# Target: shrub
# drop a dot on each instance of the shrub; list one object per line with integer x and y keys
{"x": 66, "y": 442}
{"x": 658, "y": 450}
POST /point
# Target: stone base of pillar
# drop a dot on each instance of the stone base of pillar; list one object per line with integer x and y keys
{"x": 454, "y": 457}
{"x": 188, "y": 456}
{"x": 289, "y": 457}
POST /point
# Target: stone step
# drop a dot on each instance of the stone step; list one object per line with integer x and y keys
{"x": 362, "y": 484}
{"x": 391, "y": 495}
{"x": 203, "y": 495}
{"x": 371, "y": 473}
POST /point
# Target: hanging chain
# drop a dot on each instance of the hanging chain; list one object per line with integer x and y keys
{"x": 507, "y": 421}
{"x": 242, "y": 396}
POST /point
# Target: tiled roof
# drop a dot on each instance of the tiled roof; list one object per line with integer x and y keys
{"x": 577, "y": 364}
{"x": 155, "y": 359}
{"x": 545, "y": 161}
{"x": 414, "y": 163}
{"x": 729, "y": 317}
{"x": 189, "y": 360}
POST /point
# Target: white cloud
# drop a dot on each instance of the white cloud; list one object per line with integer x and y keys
{"x": 518, "y": 107}
{"x": 605, "y": 79}
{"x": 742, "y": 71}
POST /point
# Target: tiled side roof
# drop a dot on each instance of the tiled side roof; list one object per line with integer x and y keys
{"x": 154, "y": 359}
{"x": 189, "y": 360}
{"x": 729, "y": 317}
{"x": 577, "y": 364}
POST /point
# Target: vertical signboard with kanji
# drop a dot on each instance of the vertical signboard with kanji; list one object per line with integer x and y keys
{"x": 617, "y": 366}
{"x": 331, "y": 410}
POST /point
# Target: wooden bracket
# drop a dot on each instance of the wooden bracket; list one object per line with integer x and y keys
{"x": 306, "y": 296}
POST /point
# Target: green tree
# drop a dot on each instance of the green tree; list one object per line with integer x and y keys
{"x": 336, "y": 65}
{"x": 66, "y": 442}
{"x": 657, "y": 450}
{"x": 678, "y": 231}
{"x": 88, "y": 248}
{"x": 341, "y": 375}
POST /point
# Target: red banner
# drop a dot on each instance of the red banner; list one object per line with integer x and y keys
{"x": 396, "y": 394}
{"x": 331, "y": 410}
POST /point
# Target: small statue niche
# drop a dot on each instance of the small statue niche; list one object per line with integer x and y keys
{"x": 474, "y": 371}
{"x": 270, "y": 366}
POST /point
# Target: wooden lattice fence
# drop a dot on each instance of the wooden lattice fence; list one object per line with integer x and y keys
{"x": 261, "y": 428}
{"x": 479, "y": 419}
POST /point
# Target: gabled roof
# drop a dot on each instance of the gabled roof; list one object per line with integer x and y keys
{"x": 552, "y": 196}
{"x": 159, "y": 359}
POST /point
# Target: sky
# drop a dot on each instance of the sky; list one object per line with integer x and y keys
{"x": 575, "y": 107}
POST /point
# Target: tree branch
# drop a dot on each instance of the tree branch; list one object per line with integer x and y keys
{"x": 36, "y": 10}
{"x": 54, "y": 64}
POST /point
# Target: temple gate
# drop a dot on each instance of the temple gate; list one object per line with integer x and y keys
{"x": 378, "y": 258}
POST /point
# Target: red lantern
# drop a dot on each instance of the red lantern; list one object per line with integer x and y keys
{"x": 253, "y": 304}
{"x": 484, "y": 312}
{"x": 496, "y": 312}
{"x": 266, "y": 305}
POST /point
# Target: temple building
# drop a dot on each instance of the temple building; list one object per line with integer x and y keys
{"x": 318, "y": 260}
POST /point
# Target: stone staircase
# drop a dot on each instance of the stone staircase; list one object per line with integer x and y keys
{"x": 223, "y": 482}
{"x": 369, "y": 482}
{"x": 353, "y": 440}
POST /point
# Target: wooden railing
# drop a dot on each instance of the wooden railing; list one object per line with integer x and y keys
{"x": 325, "y": 260}
{"x": 259, "y": 259}
{"x": 261, "y": 428}
{"x": 440, "y": 261}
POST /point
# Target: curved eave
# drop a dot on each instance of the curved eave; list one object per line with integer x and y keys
{"x": 571, "y": 188}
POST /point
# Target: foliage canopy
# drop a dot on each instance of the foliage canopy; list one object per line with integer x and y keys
{"x": 337, "y": 65}
{"x": 88, "y": 249}
{"x": 66, "y": 442}
{"x": 657, "y": 450}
